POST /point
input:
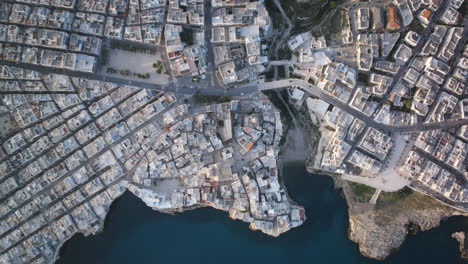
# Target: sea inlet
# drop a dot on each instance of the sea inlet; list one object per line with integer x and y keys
{"x": 134, "y": 233}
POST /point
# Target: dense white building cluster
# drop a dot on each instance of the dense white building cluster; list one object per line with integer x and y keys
{"x": 238, "y": 28}
{"x": 397, "y": 64}
{"x": 77, "y": 144}
{"x": 222, "y": 156}
{"x": 65, "y": 164}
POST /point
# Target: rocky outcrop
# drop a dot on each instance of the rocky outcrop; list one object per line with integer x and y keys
{"x": 460, "y": 237}
{"x": 379, "y": 233}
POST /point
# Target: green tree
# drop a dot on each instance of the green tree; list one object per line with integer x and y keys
{"x": 407, "y": 104}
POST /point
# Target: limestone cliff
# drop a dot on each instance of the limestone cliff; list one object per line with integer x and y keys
{"x": 460, "y": 237}
{"x": 378, "y": 231}
{"x": 381, "y": 231}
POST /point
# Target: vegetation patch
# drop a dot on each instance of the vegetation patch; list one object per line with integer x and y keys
{"x": 333, "y": 26}
{"x": 295, "y": 76}
{"x": 407, "y": 103}
{"x": 133, "y": 47}
{"x": 158, "y": 66}
{"x": 332, "y": 4}
{"x": 284, "y": 53}
{"x": 127, "y": 72}
{"x": 361, "y": 192}
{"x": 211, "y": 99}
{"x": 308, "y": 15}
{"x": 270, "y": 74}
{"x": 387, "y": 198}
{"x": 281, "y": 72}
{"x": 274, "y": 13}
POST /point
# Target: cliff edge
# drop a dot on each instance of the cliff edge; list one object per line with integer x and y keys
{"x": 379, "y": 228}
{"x": 461, "y": 238}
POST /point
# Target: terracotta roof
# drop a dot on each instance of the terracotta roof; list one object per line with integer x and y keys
{"x": 426, "y": 13}
{"x": 393, "y": 22}
{"x": 248, "y": 146}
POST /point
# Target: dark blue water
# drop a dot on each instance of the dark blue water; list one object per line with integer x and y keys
{"x": 135, "y": 233}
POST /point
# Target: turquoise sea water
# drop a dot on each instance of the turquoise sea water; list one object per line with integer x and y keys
{"x": 135, "y": 233}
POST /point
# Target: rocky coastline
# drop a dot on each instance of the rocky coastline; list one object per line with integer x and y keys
{"x": 461, "y": 238}
{"x": 377, "y": 231}
{"x": 229, "y": 183}
{"x": 292, "y": 145}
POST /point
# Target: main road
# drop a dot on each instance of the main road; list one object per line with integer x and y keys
{"x": 242, "y": 90}
{"x": 314, "y": 91}
{"x": 171, "y": 87}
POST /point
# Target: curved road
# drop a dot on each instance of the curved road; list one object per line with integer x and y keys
{"x": 317, "y": 92}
